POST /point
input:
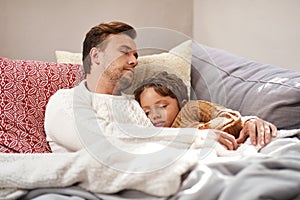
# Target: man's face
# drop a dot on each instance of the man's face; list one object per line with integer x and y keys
{"x": 119, "y": 59}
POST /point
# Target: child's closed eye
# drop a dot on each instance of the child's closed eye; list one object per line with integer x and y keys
{"x": 162, "y": 106}
{"x": 147, "y": 112}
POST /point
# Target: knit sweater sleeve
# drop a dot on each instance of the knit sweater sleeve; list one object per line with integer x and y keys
{"x": 61, "y": 133}
{"x": 210, "y": 116}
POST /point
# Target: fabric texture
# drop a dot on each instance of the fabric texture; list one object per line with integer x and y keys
{"x": 68, "y": 57}
{"x": 60, "y": 170}
{"x": 210, "y": 116}
{"x": 209, "y": 176}
{"x": 269, "y": 92}
{"x": 273, "y": 173}
{"x": 68, "y": 109}
{"x": 25, "y": 87}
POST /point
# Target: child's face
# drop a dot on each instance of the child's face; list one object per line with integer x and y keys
{"x": 159, "y": 109}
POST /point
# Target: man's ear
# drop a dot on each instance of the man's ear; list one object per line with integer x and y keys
{"x": 95, "y": 57}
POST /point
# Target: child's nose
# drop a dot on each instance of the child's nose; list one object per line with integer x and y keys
{"x": 156, "y": 114}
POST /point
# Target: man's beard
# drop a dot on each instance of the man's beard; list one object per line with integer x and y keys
{"x": 124, "y": 82}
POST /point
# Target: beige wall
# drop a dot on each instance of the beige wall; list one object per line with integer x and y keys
{"x": 34, "y": 29}
{"x": 264, "y": 30}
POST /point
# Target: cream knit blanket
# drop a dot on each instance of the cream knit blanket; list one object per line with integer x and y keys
{"x": 153, "y": 165}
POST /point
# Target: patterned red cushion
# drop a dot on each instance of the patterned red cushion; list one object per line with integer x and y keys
{"x": 25, "y": 88}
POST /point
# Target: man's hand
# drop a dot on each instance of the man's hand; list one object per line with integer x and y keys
{"x": 260, "y": 132}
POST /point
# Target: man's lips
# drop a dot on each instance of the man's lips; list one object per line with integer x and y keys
{"x": 129, "y": 69}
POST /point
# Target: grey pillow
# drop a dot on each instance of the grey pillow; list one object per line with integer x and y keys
{"x": 269, "y": 92}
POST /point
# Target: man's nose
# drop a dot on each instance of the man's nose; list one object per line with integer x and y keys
{"x": 133, "y": 61}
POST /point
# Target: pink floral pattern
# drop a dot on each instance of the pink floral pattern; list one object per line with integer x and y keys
{"x": 25, "y": 88}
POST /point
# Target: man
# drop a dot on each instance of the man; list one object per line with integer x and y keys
{"x": 109, "y": 58}
{"x": 96, "y": 110}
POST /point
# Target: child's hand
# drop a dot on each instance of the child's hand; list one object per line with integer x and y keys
{"x": 227, "y": 140}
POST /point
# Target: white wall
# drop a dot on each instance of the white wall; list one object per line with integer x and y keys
{"x": 34, "y": 29}
{"x": 267, "y": 31}
{"x": 264, "y": 30}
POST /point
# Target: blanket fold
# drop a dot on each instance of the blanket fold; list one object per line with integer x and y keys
{"x": 158, "y": 171}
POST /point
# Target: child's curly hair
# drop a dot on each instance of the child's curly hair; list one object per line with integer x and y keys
{"x": 165, "y": 84}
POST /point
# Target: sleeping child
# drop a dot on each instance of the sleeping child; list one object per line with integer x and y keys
{"x": 164, "y": 100}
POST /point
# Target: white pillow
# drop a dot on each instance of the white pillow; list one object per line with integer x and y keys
{"x": 68, "y": 57}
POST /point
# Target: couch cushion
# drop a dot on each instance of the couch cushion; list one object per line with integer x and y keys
{"x": 176, "y": 61}
{"x": 267, "y": 91}
{"x": 25, "y": 87}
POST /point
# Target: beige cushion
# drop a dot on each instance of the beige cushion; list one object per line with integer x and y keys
{"x": 176, "y": 61}
{"x": 68, "y": 57}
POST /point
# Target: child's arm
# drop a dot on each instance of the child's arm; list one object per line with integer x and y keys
{"x": 209, "y": 116}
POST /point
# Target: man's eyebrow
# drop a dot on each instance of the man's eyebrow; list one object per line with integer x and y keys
{"x": 126, "y": 47}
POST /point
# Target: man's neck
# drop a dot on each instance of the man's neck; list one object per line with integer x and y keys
{"x": 99, "y": 86}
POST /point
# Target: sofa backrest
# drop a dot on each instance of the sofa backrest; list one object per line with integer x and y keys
{"x": 25, "y": 87}
{"x": 266, "y": 91}
{"x": 269, "y": 92}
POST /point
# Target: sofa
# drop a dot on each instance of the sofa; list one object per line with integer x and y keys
{"x": 252, "y": 88}
{"x": 263, "y": 90}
